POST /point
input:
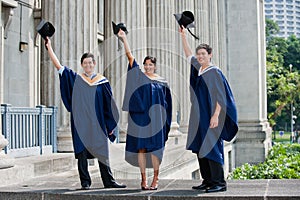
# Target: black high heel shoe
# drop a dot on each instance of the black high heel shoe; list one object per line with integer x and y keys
{"x": 154, "y": 187}
{"x": 146, "y": 187}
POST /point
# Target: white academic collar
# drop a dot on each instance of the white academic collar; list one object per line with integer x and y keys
{"x": 91, "y": 76}
{"x": 211, "y": 66}
{"x": 157, "y": 78}
{"x": 99, "y": 81}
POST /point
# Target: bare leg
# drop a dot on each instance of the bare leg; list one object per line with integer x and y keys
{"x": 155, "y": 163}
{"x": 142, "y": 165}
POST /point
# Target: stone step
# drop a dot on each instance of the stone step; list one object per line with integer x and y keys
{"x": 34, "y": 166}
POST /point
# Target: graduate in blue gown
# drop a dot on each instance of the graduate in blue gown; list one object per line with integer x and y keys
{"x": 213, "y": 116}
{"x": 148, "y": 100}
{"x": 94, "y": 116}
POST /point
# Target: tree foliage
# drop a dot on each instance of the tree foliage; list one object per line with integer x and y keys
{"x": 283, "y": 82}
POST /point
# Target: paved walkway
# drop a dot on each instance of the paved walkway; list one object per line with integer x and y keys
{"x": 56, "y": 178}
{"x": 66, "y": 186}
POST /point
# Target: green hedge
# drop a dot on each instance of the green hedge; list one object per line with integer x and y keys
{"x": 282, "y": 162}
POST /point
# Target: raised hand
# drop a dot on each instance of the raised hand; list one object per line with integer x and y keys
{"x": 182, "y": 30}
{"x": 48, "y": 43}
{"x": 122, "y": 35}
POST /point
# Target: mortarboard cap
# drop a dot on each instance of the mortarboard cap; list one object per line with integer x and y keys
{"x": 117, "y": 27}
{"x": 45, "y": 29}
{"x": 186, "y": 19}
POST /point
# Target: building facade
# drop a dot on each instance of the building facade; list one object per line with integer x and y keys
{"x": 286, "y": 13}
{"x": 234, "y": 28}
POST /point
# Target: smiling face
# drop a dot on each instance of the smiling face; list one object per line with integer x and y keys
{"x": 149, "y": 67}
{"x": 204, "y": 54}
{"x": 88, "y": 63}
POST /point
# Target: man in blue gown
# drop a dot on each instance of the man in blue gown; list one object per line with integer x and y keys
{"x": 213, "y": 116}
{"x": 94, "y": 116}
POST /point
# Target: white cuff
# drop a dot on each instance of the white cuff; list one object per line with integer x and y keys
{"x": 61, "y": 70}
{"x": 189, "y": 59}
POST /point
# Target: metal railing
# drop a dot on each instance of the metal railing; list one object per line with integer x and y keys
{"x": 29, "y": 131}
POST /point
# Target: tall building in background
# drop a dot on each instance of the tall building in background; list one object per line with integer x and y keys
{"x": 286, "y": 13}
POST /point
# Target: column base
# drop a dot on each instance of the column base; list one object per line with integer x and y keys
{"x": 174, "y": 132}
{"x": 5, "y": 161}
{"x": 122, "y": 137}
{"x": 64, "y": 140}
{"x": 122, "y": 132}
{"x": 184, "y": 127}
{"x": 253, "y": 142}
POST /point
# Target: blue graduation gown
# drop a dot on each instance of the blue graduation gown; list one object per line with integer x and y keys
{"x": 149, "y": 104}
{"x": 94, "y": 113}
{"x": 208, "y": 88}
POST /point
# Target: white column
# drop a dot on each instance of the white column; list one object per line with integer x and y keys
{"x": 202, "y": 17}
{"x": 133, "y": 14}
{"x": 161, "y": 44}
{"x": 247, "y": 71}
{"x": 5, "y": 161}
{"x": 214, "y": 30}
{"x": 222, "y": 60}
{"x": 183, "y": 67}
{"x": 75, "y": 22}
{"x": 1, "y": 61}
{"x": 2, "y": 139}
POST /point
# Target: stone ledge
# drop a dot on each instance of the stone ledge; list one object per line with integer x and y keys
{"x": 58, "y": 188}
{"x": 34, "y": 166}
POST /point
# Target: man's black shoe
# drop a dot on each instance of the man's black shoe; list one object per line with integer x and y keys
{"x": 200, "y": 187}
{"x": 85, "y": 187}
{"x": 216, "y": 188}
{"x": 115, "y": 185}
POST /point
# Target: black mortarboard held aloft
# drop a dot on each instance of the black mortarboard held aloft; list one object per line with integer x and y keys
{"x": 186, "y": 19}
{"x": 45, "y": 29}
{"x": 116, "y": 28}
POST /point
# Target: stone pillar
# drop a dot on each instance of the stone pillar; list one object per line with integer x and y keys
{"x": 202, "y": 15}
{"x": 3, "y": 141}
{"x": 75, "y": 22}
{"x": 5, "y": 161}
{"x": 247, "y": 72}
{"x": 1, "y": 61}
{"x": 183, "y": 68}
{"x": 222, "y": 59}
{"x": 213, "y": 30}
{"x": 133, "y": 14}
{"x": 160, "y": 42}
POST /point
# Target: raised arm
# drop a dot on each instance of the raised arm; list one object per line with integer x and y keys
{"x": 186, "y": 47}
{"x": 52, "y": 55}
{"x": 123, "y": 37}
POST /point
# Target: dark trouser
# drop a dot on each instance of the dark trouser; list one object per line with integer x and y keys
{"x": 84, "y": 175}
{"x": 212, "y": 172}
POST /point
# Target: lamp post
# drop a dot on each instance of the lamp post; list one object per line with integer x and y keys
{"x": 292, "y": 114}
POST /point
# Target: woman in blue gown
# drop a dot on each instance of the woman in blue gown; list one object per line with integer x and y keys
{"x": 213, "y": 116}
{"x": 148, "y": 101}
